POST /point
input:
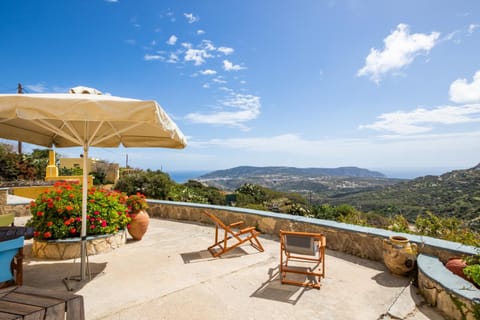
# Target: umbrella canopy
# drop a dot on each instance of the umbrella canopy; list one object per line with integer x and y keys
{"x": 69, "y": 120}
{"x": 86, "y": 120}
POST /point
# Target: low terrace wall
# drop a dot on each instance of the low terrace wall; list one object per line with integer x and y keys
{"x": 364, "y": 242}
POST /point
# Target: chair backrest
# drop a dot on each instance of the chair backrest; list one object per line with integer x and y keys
{"x": 301, "y": 244}
{"x": 215, "y": 220}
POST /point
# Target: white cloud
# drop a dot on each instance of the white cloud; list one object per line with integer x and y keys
{"x": 130, "y": 41}
{"x": 198, "y": 56}
{"x": 153, "y": 57}
{"x": 39, "y": 87}
{"x": 172, "y": 40}
{"x": 422, "y": 120}
{"x": 463, "y": 92}
{"x": 173, "y": 58}
{"x": 200, "y": 32}
{"x": 225, "y": 50}
{"x": 219, "y": 80}
{"x": 191, "y": 18}
{"x": 112, "y": 1}
{"x": 206, "y": 86}
{"x": 400, "y": 50}
{"x": 207, "y": 45}
{"x": 235, "y": 111}
{"x": 472, "y": 27}
{"x": 229, "y": 66}
{"x": 208, "y": 72}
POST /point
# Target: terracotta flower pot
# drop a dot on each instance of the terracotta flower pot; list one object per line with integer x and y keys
{"x": 456, "y": 265}
{"x": 139, "y": 224}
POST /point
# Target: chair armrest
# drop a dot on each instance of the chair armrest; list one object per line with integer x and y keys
{"x": 235, "y": 224}
{"x": 248, "y": 229}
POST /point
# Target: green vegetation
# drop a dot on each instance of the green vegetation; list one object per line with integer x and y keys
{"x": 14, "y": 166}
{"x": 472, "y": 270}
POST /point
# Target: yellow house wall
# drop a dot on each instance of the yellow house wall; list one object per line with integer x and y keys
{"x": 29, "y": 192}
{"x": 71, "y": 163}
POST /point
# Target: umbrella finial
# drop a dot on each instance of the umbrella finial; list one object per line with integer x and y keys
{"x": 84, "y": 90}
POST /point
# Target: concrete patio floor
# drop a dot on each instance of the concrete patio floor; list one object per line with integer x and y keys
{"x": 169, "y": 274}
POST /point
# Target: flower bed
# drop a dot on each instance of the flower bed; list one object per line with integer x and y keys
{"x": 57, "y": 213}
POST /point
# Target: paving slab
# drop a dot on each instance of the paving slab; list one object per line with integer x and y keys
{"x": 169, "y": 274}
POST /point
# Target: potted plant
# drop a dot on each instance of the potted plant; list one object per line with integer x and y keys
{"x": 467, "y": 268}
{"x": 137, "y": 204}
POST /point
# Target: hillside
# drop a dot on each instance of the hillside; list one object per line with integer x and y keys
{"x": 453, "y": 194}
{"x": 300, "y": 180}
{"x": 456, "y": 193}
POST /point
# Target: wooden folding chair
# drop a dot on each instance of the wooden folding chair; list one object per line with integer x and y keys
{"x": 305, "y": 248}
{"x": 238, "y": 237}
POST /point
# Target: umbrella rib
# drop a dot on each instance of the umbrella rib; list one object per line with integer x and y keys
{"x": 116, "y": 132}
{"x": 94, "y": 132}
{"x": 48, "y": 126}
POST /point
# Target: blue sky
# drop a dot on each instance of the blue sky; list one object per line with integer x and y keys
{"x": 386, "y": 85}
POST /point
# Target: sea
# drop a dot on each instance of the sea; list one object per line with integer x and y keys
{"x": 184, "y": 176}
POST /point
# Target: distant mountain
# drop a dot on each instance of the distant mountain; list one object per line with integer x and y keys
{"x": 300, "y": 180}
{"x": 249, "y": 171}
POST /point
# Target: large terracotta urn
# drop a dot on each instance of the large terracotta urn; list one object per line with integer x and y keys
{"x": 399, "y": 255}
{"x": 139, "y": 224}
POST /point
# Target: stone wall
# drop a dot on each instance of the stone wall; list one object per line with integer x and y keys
{"x": 364, "y": 242}
{"x": 19, "y": 210}
{"x": 449, "y": 295}
{"x": 454, "y": 296}
{"x": 3, "y": 196}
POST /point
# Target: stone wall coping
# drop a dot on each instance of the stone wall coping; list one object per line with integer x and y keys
{"x": 455, "y": 247}
{"x": 434, "y": 269}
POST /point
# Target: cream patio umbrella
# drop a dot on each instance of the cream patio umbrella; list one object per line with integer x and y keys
{"x": 87, "y": 119}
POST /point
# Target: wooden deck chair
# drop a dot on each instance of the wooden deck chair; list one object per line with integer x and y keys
{"x": 227, "y": 239}
{"x": 307, "y": 250}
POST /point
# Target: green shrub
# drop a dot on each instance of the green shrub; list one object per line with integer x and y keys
{"x": 451, "y": 229}
{"x": 473, "y": 272}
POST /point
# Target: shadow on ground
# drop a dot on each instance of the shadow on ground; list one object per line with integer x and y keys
{"x": 60, "y": 276}
{"x": 273, "y": 289}
{"x": 205, "y": 255}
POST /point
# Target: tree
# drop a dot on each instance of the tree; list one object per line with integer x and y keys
{"x": 153, "y": 184}
{"x": 39, "y": 160}
{"x": 8, "y": 162}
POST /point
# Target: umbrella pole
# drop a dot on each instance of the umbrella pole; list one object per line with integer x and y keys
{"x": 83, "y": 248}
